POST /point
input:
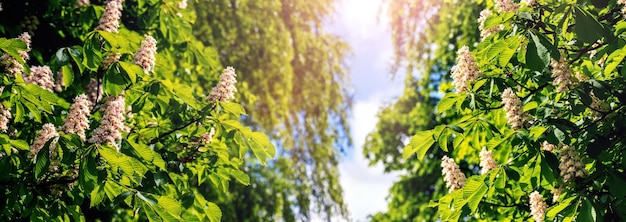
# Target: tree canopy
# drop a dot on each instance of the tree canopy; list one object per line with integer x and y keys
{"x": 115, "y": 111}
{"x": 295, "y": 87}
{"x": 526, "y": 100}
{"x": 181, "y": 149}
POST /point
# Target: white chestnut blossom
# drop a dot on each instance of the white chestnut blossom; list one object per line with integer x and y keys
{"x": 12, "y": 66}
{"x": 529, "y": 2}
{"x": 484, "y": 14}
{"x": 548, "y": 147}
{"x": 556, "y": 193}
{"x": 562, "y": 74}
{"x": 513, "y": 108}
{"x": 182, "y": 4}
{"x": 455, "y": 179}
{"x": 47, "y": 132}
{"x": 486, "y": 161}
{"x": 598, "y": 105}
{"x": 537, "y": 206}
{"x": 94, "y": 91}
{"x": 225, "y": 89}
{"x": 506, "y": 6}
{"x": 5, "y": 115}
{"x": 465, "y": 71}
{"x": 146, "y": 54}
{"x": 622, "y": 3}
{"x": 41, "y": 76}
{"x": 570, "y": 164}
{"x": 110, "y": 20}
{"x": 81, "y": 3}
{"x": 110, "y": 59}
{"x": 208, "y": 136}
{"x": 112, "y": 123}
{"x": 77, "y": 120}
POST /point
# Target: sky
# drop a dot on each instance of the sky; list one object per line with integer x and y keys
{"x": 358, "y": 22}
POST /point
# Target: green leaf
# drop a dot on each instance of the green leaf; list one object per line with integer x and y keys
{"x": 132, "y": 70}
{"x": 420, "y": 143}
{"x": 509, "y": 50}
{"x": 154, "y": 205}
{"x": 587, "y": 211}
{"x": 68, "y": 75}
{"x": 148, "y": 208}
{"x": 88, "y": 173}
{"x": 474, "y": 191}
{"x": 560, "y": 135}
{"x": 183, "y": 92}
{"x": 42, "y": 162}
{"x": 240, "y": 176}
{"x": 96, "y": 196}
{"x": 614, "y": 59}
{"x": 213, "y": 212}
{"x": 537, "y": 131}
{"x": 11, "y": 47}
{"x": 32, "y": 109}
{"x": 147, "y": 154}
{"x": 170, "y": 205}
{"x": 493, "y": 143}
{"x": 446, "y": 102}
{"x": 113, "y": 83}
{"x": 61, "y": 58}
{"x": 537, "y": 54}
{"x": 233, "y": 108}
{"x": 118, "y": 41}
{"x": 261, "y": 147}
{"x": 530, "y": 106}
{"x": 112, "y": 189}
{"x": 20, "y": 144}
{"x": 560, "y": 208}
{"x": 587, "y": 28}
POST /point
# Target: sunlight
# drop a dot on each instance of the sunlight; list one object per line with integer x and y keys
{"x": 360, "y": 18}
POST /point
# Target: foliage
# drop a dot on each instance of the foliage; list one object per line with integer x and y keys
{"x": 294, "y": 86}
{"x": 176, "y": 142}
{"x": 414, "y": 111}
{"x": 564, "y": 61}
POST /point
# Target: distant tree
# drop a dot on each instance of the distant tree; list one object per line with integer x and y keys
{"x": 295, "y": 86}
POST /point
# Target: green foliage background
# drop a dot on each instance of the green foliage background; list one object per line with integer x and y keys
{"x": 162, "y": 171}
{"x": 295, "y": 88}
{"x": 427, "y": 35}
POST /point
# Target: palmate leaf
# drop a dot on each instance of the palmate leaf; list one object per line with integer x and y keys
{"x": 131, "y": 167}
{"x": 183, "y": 92}
{"x": 213, "y": 212}
{"x": 42, "y": 161}
{"x": 261, "y": 147}
{"x": 563, "y": 208}
{"x": 587, "y": 27}
{"x": 11, "y": 47}
{"x": 420, "y": 143}
{"x": 233, "y": 108}
{"x": 474, "y": 190}
{"x": 148, "y": 155}
{"x": 154, "y": 207}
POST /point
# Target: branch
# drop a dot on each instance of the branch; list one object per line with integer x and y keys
{"x": 62, "y": 180}
{"x": 153, "y": 141}
{"x": 533, "y": 91}
{"x": 500, "y": 205}
{"x": 604, "y": 115}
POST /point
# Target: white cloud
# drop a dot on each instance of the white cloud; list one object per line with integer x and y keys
{"x": 360, "y": 20}
{"x": 366, "y": 187}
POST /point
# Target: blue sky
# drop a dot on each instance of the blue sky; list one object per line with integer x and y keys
{"x": 359, "y": 23}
